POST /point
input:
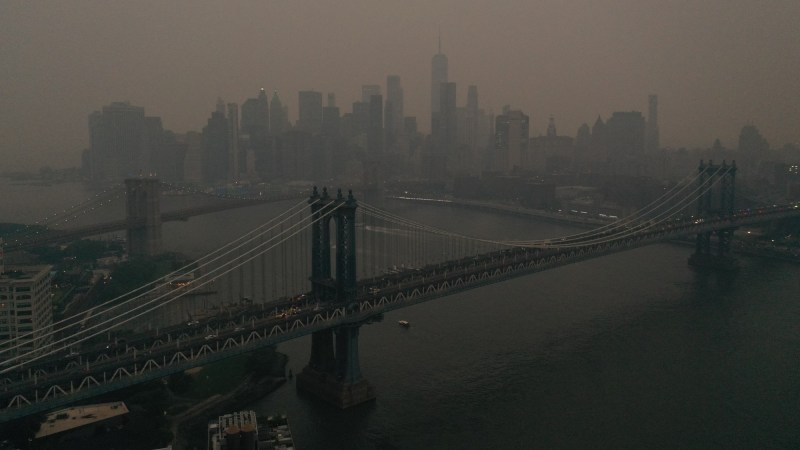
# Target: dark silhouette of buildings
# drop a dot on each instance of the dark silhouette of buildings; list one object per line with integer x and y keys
{"x": 651, "y": 132}
{"x": 511, "y": 137}
{"x": 124, "y": 142}
{"x": 117, "y": 142}
{"x": 278, "y": 115}
{"x": 215, "y": 149}
{"x": 255, "y": 116}
{"x": 310, "y": 112}
{"x": 438, "y": 76}
{"x": 625, "y": 140}
{"x": 394, "y": 109}
{"x": 751, "y": 141}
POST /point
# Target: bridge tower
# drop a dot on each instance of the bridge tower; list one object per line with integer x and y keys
{"x": 717, "y": 183}
{"x": 143, "y": 214}
{"x": 333, "y": 372}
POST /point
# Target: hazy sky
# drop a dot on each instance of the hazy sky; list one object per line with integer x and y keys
{"x": 715, "y": 64}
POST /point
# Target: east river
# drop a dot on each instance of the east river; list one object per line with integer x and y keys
{"x": 632, "y": 350}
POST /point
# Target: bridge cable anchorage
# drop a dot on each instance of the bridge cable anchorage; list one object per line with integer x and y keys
{"x": 196, "y": 285}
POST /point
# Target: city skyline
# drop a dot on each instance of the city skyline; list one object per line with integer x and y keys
{"x": 715, "y": 67}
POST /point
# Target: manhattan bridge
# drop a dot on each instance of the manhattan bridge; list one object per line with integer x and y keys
{"x": 325, "y": 266}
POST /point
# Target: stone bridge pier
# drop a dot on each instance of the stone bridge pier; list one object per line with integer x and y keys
{"x": 143, "y": 214}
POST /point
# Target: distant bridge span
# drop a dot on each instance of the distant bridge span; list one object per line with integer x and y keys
{"x": 57, "y": 236}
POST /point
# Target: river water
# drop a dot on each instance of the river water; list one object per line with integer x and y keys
{"x": 632, "y": 350}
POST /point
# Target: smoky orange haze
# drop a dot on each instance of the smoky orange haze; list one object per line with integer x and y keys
{"x": 716, "y": 65}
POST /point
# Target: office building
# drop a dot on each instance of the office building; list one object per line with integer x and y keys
{"x": 625, "y": 134}
{"x": 368, "y": 90}
{"x": 116, "y": 141}
{"x": 393, "y": 119}
{"x": 278, "y": 116}
{"x": 26, "y": 311}
{"x": 255, "y": 116}
{"x": 310, "y": 111}
{"x": 651, "y": 131}
{"x": 438, "y": 76}
{"x": 471, "y": 118}
{"x": 215, "y": 152}
{"x": 511, "y": 138}
{"x": 360, "y": 118}
{"x": 331, "y": 121}
{"x": 233, "y": 142}
{"x": 446, "y": 119}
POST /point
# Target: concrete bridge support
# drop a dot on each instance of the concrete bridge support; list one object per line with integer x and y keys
{"x": 713, "y": 248}
{"x": 333, "y": 372}
{"x": 143, "y": 213}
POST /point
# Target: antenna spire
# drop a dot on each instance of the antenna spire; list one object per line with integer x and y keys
{"x": 440, "y": 39}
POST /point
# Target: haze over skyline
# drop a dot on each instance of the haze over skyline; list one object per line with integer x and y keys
{"x": 715, "y": 65}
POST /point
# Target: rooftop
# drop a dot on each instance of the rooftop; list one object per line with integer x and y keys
{"x": 78, "y": 416}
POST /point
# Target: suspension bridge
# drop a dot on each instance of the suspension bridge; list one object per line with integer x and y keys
{"x": 325, "y": 267}
{"x": 142, "y": 216}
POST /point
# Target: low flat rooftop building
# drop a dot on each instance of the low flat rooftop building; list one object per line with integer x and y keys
{"x": 241, "y": 431}
{"x": 235, "y": 431}
{"x": 80, "y": 416}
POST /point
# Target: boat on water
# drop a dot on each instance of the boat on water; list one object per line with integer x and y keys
{"x": 404, "y": 323}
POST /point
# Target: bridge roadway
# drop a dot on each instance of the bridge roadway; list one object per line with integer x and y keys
{"x": 153, "y": 355}
{"x": 55, "y": 236}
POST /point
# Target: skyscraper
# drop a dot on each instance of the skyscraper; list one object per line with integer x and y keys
{"x": 625, "y": 133}
{"x": 438, "y": 76}
{"x": 511, "y": 140}
{"x": 278, "y": 119}
{"x": 625, "y": 137}
{"x": 310, "y": 111}
{"x": 331, "y": 120}
{"x": 368, "y": 90}
{"x": 471, "y": 122}
{"x": 255, "y": 116}
{"x": 117, "y": 140}
{"x": 446, "y": 123}
{"x": 652, "y": 135}
{"x": 394, "y": 106}
{"x": 215, "y": 149}
{"x": 233, "y": 142}
{"x": 360, "y": 118}
{"x": 375, "y": 127}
